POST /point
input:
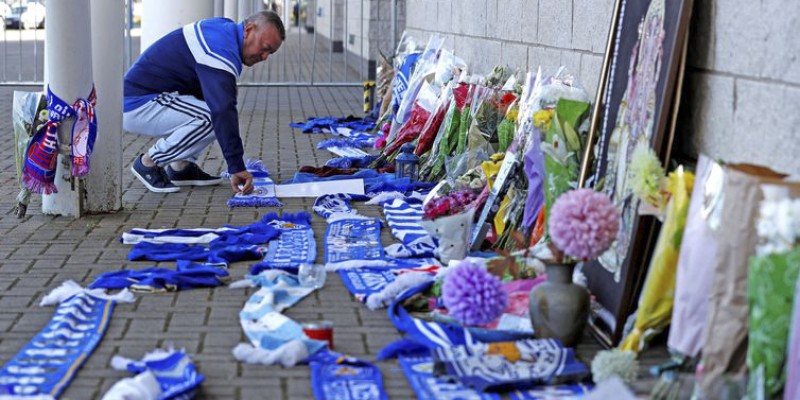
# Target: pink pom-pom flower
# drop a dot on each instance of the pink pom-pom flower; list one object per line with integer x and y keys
{"x": 472, "y": 295}
{"x": 583, "y": 223}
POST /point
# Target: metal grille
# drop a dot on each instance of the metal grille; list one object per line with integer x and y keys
{"x": 328, "y": 43}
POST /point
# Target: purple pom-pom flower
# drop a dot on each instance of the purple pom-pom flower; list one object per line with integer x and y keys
{"x": 472, "y": 295}
{"x": 583, "y": 223}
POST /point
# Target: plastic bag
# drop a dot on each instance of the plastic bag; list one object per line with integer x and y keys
{"x": 425, "y": 65}
{"x": 431, "y": 128}
{"x": 725, "y": 338}
{"x": 26, "y": 108}
{"x": 447, "y": 140}
{"x": 420, "y": 114}
{"x": 698, "y": 252}
{"x": 459, "y": 164}
{"x": 448, "y": 67}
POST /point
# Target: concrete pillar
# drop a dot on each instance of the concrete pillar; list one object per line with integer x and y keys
{"x": 104, "y": 182}
{"x": 232, "y": 9}
{"x": 160, "y": 17}
{"x": 219, "y": 8}
{"x": 69, "y": 74}
{"x": 244, "y": 9}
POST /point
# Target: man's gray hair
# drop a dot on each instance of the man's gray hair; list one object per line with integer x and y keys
{"x": 262, "y": 18}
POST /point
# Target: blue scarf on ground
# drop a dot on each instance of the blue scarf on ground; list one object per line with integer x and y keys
{"x": 263, "y": 194}
{"x": 353, "y": 239}
{"x": 47, "y": 364}
{"x": 327, "y": 124}
{"x": 173, "y": 371}
{"x": 351, "y": 162}
{"x": 295, "y": 245}
{"x": 187, "y": 275}
{"x": 223, "y": 255}
{"x": 404, "y": 221}
{"x": 274, "y": 338}
{"x": 335, "y": 376}
{"x": 419, "y": 373}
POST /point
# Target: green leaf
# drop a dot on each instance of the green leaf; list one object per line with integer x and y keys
{"x": 572, "y": 137}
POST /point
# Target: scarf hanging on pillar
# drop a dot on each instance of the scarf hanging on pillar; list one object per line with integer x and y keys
{"x": 39, "y": 171}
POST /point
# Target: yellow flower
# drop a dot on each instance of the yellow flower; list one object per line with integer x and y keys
{"x": 542, "y": 118}
{"x": 511, "y": 115}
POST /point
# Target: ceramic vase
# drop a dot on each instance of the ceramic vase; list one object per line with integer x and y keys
{"x": 559, "y": 308}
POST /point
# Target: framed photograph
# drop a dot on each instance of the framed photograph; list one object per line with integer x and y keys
{"x": 637, "y": 101}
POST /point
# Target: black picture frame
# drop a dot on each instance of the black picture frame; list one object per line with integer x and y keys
{"x": 617, "y": 293}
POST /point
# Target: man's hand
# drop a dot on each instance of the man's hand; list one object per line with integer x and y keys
{"x": 243, "y": 178}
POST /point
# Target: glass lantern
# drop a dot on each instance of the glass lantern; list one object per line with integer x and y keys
{"x": 406, "y": 163}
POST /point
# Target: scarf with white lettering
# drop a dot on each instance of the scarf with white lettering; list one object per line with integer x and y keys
{"x": 39, "y": 171}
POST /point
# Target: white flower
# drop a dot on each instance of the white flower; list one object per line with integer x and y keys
{"x": 778, "y": 226}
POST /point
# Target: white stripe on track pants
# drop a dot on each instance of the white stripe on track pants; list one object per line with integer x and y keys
{"x": 183, "y": 122}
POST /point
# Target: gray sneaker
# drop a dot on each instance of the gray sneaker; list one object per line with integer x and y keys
{"x": 153, "y": 178}
{"x": 192, "y": 175}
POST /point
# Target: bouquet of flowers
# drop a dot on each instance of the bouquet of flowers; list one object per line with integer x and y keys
{"x": 447, "y": 138}
{"x": 453, "y": 203}
{"x": 448, "y": 218}
{"x": 771, "y": 280}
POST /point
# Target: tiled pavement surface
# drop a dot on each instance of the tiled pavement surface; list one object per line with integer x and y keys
{"x": 39, "y": 252}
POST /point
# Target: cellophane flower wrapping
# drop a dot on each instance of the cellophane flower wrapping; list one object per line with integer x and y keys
{"x": 770, "y": 291}
{"x": 447, "y": 139}
{"x": 771, "y": 280}
{"x": 452, "y": 232}
{"x": 791, "y": 389}
{"x": 655, "y": 302}
{"x": 420, "y": 114}
{"x": 425, "y": 65}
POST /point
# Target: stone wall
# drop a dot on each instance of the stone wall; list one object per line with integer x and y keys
{"x": 362, "y": 28}
{"x": 741, "y": 97}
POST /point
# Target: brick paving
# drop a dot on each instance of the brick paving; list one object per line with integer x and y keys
{"x": 39, "y": 252}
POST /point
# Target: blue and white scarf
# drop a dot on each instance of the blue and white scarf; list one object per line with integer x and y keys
{"x": 47, "y": 364}
{"x": 345, "y": 143}
{"x": 338, "y": 377}
{"x": 541, "y": 362}
{"x": 434, "y": 334}
{"x": 274, "y": 338}
{"x": 419, "y": 373}
{"x": 39, "y": 171}
{"x": 350, "y": 240}
{"x": 163, "y": 374}
{"x": 296, "y": 243}
{"x": 336, "y": 204}
{"x": 561, "y": 392}
{"x": 351, "y": 162}
{"x": 404, "y": 221}
{"x": 329, "y": 124}
{"x": 263, "y": 194}
{"x": 257, "y": 233}
{"x": 222, "y": 255}
{"x": 187, "y": 275}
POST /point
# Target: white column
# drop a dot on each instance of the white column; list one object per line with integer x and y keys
{"x": 219, "y": 8}
{"x": 69, "y": 71}
{"x": 232, "y": 9}
{"x": 160, "y": 17}
{"x": 244, "y": 9}
{"x": 104, "y": 182}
